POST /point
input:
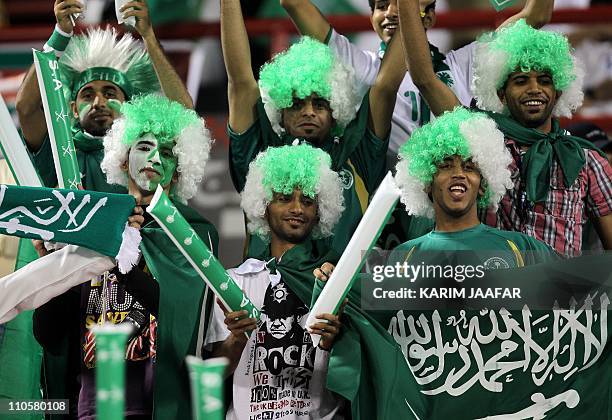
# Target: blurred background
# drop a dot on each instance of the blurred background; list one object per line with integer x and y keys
{"x": 188, "y": 31}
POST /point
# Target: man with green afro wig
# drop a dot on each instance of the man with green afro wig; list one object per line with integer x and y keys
{"x": 292, "y": 197}
{"x": 100, "y": 70}
{"x": 306, "y": 94}
{"x": 155, "y": 142}
{"x": 524, "y": 78}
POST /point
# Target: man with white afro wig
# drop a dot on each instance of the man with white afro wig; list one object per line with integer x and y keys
{"x": 281, "y": 172}
{"x": 450, "y": 168}
{"x": 307, "y": 94}
{"x": 157, "y": 142}
{"x": 524, "y": 78}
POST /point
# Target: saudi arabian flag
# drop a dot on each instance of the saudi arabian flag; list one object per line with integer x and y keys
{"x": 545, "y": 355}
{"x": 91, "y": 219}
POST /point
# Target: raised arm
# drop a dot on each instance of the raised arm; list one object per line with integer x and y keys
{"x": 242, "y": 89}
{"x": 29, "y": 103}
{"x": 439, "y": 97}
{"x": 384, "y": 90}
{"x": 307, "y": 18}
{"x": 169, "y": 80}
{"x": 536, "y": 13}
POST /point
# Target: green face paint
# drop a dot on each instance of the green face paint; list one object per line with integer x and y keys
{"x": 151, "y": 163}
{"x": 115, "y": 105}
{"x": 84, "y": 109}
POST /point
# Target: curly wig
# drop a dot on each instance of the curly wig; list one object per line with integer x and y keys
{"x": 459, "y": 132}
{"x": 280, "y": 170}
{"x": 168, "y": 122}
{"x": 520, "y": 47}
{"x": 308, "y": 67}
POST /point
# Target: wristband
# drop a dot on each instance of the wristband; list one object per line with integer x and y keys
{"x": 58, "y": 42}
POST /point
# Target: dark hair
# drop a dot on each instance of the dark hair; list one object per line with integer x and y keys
{"x": 432, "y": 6}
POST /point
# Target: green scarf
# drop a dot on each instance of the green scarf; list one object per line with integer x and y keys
{"x": 90, "y": 152}
{"x": 543, "y": 148}
{"x": 181, "y": 295}
{"x": 85, "y": 142}
{"x": 366, "y": 366}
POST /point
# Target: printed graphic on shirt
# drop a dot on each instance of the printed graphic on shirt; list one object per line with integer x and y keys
{"x": 283, "y": 359}
{"x": 111, "y": 298}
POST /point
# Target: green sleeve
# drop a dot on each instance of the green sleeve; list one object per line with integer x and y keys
{"x": 244, "y": 147}
{"x": 367, "y": 153}
{"x": 43, "y": 162}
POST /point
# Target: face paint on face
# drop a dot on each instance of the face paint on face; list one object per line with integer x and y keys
{"x": 151, "y": 164}
{"x": 115, "y": 105}
{"x": 84, "y": 109}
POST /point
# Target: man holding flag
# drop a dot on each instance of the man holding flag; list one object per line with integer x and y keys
{"x": 155, "y": 142}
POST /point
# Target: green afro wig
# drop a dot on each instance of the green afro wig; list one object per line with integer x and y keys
{"x": 520, "y": 47}
{"x": 170, "y": 123}
{"x": 308, "y": 67}
{"x": 281, "y": 170}
{"x": 460, "y": 132}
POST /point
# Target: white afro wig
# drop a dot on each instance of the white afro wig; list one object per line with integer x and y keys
{"x": 280, "y": 170}
{"x": 460, "y": 132}
{"x": 521, "y": 47}
{"x": 309, "y": 67}
{"x": 168, "y": 122}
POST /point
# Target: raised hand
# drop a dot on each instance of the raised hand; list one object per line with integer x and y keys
{"x": 63, "y": 10}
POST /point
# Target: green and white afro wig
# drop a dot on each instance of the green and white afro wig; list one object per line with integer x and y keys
{"x": 309, "y": 67}
{"x": 520, "y": 47}
{"x": 280, "y": 170}
{"x": 459, "y": 132}
{"x": 168, "y": 122}
{"x": 101, "y": 55}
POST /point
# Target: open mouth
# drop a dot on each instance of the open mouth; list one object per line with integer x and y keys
{"x": 534, "y": 104}
{"x": 390, "y": 27}
{"x": 295, "y": 221}
{"x": 457, "y": 191}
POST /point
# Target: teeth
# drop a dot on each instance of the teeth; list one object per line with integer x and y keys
{"x": 458, "y": 188}
{"x": 534, "y": 102}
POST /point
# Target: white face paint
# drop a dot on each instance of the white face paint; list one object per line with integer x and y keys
{"x": 151, "y": 164}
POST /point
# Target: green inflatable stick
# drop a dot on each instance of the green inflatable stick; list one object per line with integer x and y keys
{"x": 110, "y": 370}
{"x": 206, "y": 379}
{"x": 57, "y": 116}
{"x": 199, "y": 255}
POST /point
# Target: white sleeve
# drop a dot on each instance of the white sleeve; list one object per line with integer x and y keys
{"x": 40, "y": 281}
{"x": 365, "y": 63}
{"x": 217, "y": 330}
{"x": 461, "y": 64}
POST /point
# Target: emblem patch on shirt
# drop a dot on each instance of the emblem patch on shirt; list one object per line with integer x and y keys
{"x": 495, "y": 263}
{"x": 346, "y": 177}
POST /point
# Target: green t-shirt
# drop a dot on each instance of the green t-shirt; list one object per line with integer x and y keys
{"x": 358, "y": 156}
{"x": 92, "y": 176}
{"x": 489, "y": 246}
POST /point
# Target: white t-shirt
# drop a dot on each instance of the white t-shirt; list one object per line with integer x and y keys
{"x": 408, "y": 104}
{"x": 280, "y": 374}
